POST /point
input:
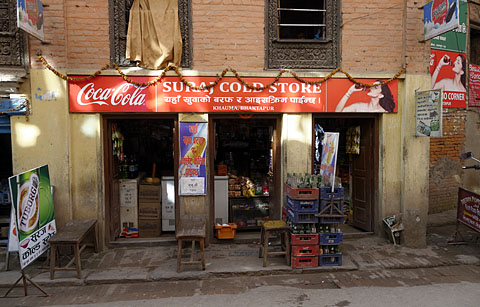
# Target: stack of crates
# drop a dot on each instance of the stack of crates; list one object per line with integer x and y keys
{"x": 330, "y": 235}
{"x": 302, "y": 206}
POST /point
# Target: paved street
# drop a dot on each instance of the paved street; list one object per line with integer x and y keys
{"x": 442, "y": 286}
{"x": 374, "y": 272}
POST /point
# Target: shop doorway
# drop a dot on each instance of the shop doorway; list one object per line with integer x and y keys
{"x": 139, "y": 173}
{"x": 356, "y": 171}
{"x": 245, "y": 160}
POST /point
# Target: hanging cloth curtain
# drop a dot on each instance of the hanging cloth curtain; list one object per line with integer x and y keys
{"x": 154, "y": 38}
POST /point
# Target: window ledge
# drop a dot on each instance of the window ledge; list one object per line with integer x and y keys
{"x": 301, "y": 41}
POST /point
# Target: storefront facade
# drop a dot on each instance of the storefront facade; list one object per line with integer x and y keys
{"x": 75, "y": 139}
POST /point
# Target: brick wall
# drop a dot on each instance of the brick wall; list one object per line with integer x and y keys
{"x": 231, "y": 33}
{"x": 228, "y": 33}
{"x": 76, "y": 34}
{"x": 373, "y": 36}
{"x": 445, "y": 165}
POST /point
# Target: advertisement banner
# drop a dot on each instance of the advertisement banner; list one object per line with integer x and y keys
{"x": 448, "y": 73}
{"x": 456, "y": 39}
{"x": 288, "y": 95}
{"x": 474, "y": 86}
{"x": 468, "y": 209}
{"x": 429, "y": 113}
{"x": 30, "y": 17}
{"x": 192, "y": 172}
{"x": 329, "y": 157}
{"x": 34, "y": 214}
{"x": 440, "y": 16}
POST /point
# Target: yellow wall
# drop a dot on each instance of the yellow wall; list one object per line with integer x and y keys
{"x": 45, "y": 138}
{"x": 69, "y": 143}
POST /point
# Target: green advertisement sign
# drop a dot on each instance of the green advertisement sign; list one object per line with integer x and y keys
{"x": 456, "y": 39}
{"x": 33, "y": 212}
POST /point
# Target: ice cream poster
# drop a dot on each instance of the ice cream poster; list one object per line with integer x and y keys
{"x": 192, "y": 171}
{"x": 329, "y": 157}
{"x": 34, "y": 214}
{"x": 440, "y": 16}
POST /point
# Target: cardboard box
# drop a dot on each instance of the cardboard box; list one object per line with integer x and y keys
{"x": 149, "y": 209}
{"x": 148, "y": 228}
{"x": 151, "y": 192}
{"x": 128, "y": 217}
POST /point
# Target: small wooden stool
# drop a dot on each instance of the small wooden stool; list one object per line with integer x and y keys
{"x": 194, "y": 234}
{"x": 278, "y": 228}
{"x": 71, "y": 235}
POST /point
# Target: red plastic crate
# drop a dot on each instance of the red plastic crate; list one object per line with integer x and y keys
{"x": 301, "y": 193}
{"x": 304, "y": 239}
{"x": 304, "y": 262}
{"x": 305, "y": 250}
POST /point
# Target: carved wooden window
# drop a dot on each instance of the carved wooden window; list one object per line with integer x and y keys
{"x": 302, "y": 34}
{"x": 119, "y": 15}
{"x": 12, "y": 40}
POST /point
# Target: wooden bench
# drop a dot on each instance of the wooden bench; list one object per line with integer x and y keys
{"x": 72, "y": 235}
{"x": 191, "y": 234}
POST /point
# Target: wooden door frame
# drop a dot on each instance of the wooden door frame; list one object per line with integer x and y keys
{"x": 277, "y": 166}
{"x": 375, "y": 151}
{"x": 108, "y": 159}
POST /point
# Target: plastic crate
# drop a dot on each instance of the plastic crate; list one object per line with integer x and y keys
{"x": 304, "y": 262}
{"x": 303, "y": 205}
{"x": 332, "y": 220}
{"x": 301, "y": 193}
{"x": 304, "y": 239}
{"x": 299, "y": 217}
{"x": 326, "y": 193}
{"x": 226, "y": 231}
{"x": 327, "y": 238}
{"x": 305, "y": 250}
{"x": 330, "y": 260}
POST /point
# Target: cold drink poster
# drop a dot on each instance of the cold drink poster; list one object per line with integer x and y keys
{"x": 34, "y": 214}
{"x": 329, "y": 157}
{"x": 192, "y": 169}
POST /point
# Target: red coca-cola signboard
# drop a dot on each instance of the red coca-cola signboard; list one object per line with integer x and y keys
{"x": 287, "y": 95}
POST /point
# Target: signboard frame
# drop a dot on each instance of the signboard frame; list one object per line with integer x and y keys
{"x": 328, "y": 164}
{"x": 30, "y": 17}
{"x": 468, "y": 209}
{"x": 428, "y": 113}
{"x": 33, "y": 211}
{"x": 440, "y": 16}
{"x": 192, "y": 171}
{"x": 107, "y": 94}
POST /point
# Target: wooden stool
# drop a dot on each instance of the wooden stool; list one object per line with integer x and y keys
{"x": 278, "y": 228}
{"x": 71, "y": 235}
{"x": 194, "y": 234}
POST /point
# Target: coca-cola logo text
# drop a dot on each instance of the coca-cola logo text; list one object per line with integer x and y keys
{"x": 121, "y": 95}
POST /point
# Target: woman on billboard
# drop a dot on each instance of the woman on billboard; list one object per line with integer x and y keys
{"x": 381, "y": 99}
{"x": 458, "y": 83}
